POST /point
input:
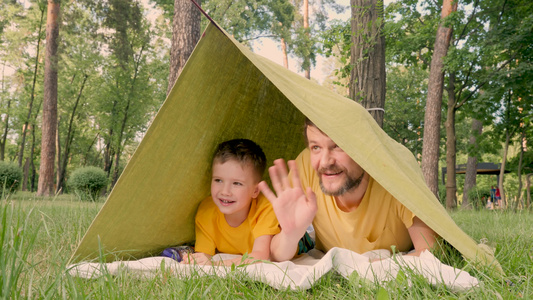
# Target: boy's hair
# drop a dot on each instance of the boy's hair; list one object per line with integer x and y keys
{"x": 245, "y": 152}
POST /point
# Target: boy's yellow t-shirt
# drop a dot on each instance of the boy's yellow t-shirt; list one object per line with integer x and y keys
{"x": 379, "y": 222}
{"x": 214, "y": 235}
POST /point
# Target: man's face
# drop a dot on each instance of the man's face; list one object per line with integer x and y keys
{"x": 337, "y": 171}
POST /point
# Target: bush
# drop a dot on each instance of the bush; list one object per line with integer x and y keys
{"x": 87, "y": 182}
{"x": 10, "y": 176}
{"x": 478, "y": 199}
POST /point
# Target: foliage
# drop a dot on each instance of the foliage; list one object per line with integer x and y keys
{"x": 10, "y": 176}
{"x": 404, "y": 109}
{"x": 88, "y": 182}
{"x": 478, "y": 198}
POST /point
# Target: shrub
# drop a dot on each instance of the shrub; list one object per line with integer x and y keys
{"x": 10, "y": 176}
{"x": 87, "y": 182}
{"x": 477, "y": 198}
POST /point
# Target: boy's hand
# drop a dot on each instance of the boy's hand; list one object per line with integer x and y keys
{"x": 198, "y": 258}
{"x": 294, "y": 209}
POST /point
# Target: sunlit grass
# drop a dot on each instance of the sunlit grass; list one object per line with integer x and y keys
{"x": 40, "y": 234}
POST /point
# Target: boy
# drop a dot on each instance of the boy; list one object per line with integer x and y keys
{"x": 235, "y": 219}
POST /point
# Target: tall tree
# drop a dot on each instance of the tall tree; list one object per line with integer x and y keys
{"x": 367, "y": 81}
{"x": 49, "y": 123}
{"x": 451, "y": 183}
{"x": 3, "y": 95}
{"x": 185, "y": 35}
{"x": 432, "y": 118}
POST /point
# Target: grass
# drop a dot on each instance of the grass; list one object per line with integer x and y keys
{"x": 38, "y": 235}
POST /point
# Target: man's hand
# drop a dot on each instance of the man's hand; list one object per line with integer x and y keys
{"x": 294, "y": 208}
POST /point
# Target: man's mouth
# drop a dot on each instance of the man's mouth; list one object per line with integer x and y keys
{"x": 330, "y": 173}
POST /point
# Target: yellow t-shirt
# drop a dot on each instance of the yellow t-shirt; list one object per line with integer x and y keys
{"x": 215, "y": 235}
{"x": 379, "y": 221}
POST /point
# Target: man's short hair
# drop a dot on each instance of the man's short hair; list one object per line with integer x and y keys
{"x": 244, "y": 151}
{"x": 308, "y": 123}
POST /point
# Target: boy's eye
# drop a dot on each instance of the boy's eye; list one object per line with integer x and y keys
{"x": 217, "y": 180}
{"x": 237, "y": 183}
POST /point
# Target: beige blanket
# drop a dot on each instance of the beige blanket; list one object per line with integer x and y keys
{"x": 301, "y": 272}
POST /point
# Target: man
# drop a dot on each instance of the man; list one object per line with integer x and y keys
{"x": 347, "y": 207}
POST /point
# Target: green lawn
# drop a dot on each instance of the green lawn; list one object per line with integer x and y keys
{"x": 38, "y": 235}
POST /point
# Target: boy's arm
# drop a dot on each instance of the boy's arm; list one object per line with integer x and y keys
{"x": 260, "y": 251}
{"x": 294, "y": 208}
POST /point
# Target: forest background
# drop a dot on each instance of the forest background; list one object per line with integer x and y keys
{"x": 112, "y": 64}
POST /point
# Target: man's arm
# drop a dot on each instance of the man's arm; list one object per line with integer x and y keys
{"x": 423, "y": 237}
{"x": 294, "y": 209}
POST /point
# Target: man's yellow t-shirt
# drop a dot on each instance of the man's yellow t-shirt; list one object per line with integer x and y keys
{"x": 379, "y": 221}
{"x": 215, "y": 235}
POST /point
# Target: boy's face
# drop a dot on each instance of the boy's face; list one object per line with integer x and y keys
{"x": 233, "y": 186}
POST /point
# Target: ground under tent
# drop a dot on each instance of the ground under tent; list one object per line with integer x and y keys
{"x": 225, "y": 91}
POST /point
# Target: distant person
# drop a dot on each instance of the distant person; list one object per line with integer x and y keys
{"x": 498, "y": 197}
{"x": 493, "y": 194}
{"x": 235, "y": 219}
{"x": 346, "y": 206}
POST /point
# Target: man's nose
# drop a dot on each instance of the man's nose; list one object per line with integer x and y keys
{"x": 327, "y": 159}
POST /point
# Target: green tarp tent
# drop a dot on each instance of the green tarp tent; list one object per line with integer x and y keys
{"x": 225, "y": 91}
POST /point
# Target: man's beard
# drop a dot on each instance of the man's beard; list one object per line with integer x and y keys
{"x": 349, "y": 184}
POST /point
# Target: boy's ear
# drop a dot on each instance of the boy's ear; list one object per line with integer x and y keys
{"x": 256, "y": 191}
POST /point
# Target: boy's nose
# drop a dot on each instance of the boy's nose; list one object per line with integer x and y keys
{"x": 226, "y": 189}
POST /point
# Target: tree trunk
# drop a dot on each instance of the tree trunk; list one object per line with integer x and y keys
{"x": 307, "y": 61}
{"x": 6, "y": 131}
{"x": 185, "y": 35}
{"x": 6, "y": 118}
{"x": 58, "y": 154}
{"x": 32, "y": 164}
{"x": 25, "y": 171}
{"x": 32, "y": 94}
{"x": 367, "y": 78}
{"x": 520, "y": 159}
{"x": 108, "y": 150}
{"x": 49, "y": 123}
{"x": 432, "y": 118}
{"x": 451, "y": 180}
{"x": 119, "y": 146}
{"x": 528, "y": 190}
{"x": 62, "y": 168}
{"x": 125, "y": 119}
{"x": 471, "y": 164}
{"x": 503, "y": 201}
{"x": 284, "y": 53}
